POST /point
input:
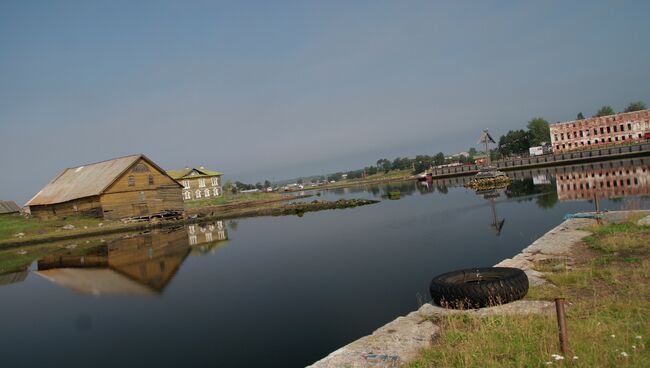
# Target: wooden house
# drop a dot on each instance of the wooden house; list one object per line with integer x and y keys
{"x": 9, "y": 208}
{"x": 130, "y": 186}
{"x": 198, "y": 183}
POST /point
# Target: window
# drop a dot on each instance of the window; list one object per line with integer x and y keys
{"x": 602, "y": 130}
{"x": 557, "y": 147}
{"x": 595, "y": 131}
{"x": 562, "y": 136}
{"x": 629, "y": 126}
{"x": 589, "y": 143}
{"x": 615, "y": 128}
{"x": 207, "y": 192}
{"x": 581, "y": 134}
{"x": 215, "y": 181}
{"x": 150, "y": 179}
{"x": 575, "y": 134}
{"x": 197, "y": 194}
{"x": 215, "y": 191}
{"x": 191, "y": 229}
{"x": 201, "y": 183}
{"x": 609, "y": 139}
{"x": 192, "y": 239}
{"x": 140, "y": 168}
{"x": 555, "y": 135}
{"x": 131, "y": 180}
{"x": 142, "y": 197}
{"x": 208, "y": 237}
{"x": 623, "y": 137}
{"x": 608, "y": 130}
{"x": 186, "y": 184}
{"x": 187, "y": 195}
{"x": 622, "y": 128}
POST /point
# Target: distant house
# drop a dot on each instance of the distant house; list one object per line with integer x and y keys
{"x": 128, "y": 186}
{"x": 198, "y": 183}
{"x": 8, "y": 208}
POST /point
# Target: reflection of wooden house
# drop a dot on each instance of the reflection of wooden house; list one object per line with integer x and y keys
{"x": 13, "y": 278}
{"x": 129, "y": 186}
{"x": 141, "y": 264}
{"x": 198, "y": 183}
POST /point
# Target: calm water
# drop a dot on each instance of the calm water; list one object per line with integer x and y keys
{"x": 281, "y": 291}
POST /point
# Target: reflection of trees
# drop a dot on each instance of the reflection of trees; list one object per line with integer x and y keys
{"x": 232, "y": 224}
{"x": 525, "y": 190}
{"x": 442, "y": 189}
{"x": 547, "y": 200}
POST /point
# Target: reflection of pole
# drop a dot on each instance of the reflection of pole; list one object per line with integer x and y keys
{"x": 597, "y": 203}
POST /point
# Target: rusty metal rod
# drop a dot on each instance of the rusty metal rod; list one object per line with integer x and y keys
{"x": 561, "y": 325}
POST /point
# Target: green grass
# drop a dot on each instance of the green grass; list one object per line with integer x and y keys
{"x": 608, "y": 288}
{"x": 12, "y": 225}
{"x": 229, "y": 198}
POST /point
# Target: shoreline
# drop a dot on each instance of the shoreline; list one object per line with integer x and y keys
{"x": 400, "y": 340}
{"x": 270, "y": 208}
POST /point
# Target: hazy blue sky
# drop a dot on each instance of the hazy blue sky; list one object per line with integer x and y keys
{"x": 263, "y": 89}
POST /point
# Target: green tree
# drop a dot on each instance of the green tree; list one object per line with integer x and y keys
{"x": 267, "y": 184}
{"x": 605, "y": 110}
{"x": 635, "y": 106}
{"x": 515, "y": 142}
{"x": 538, "y": 131}
{"x": 299, "y": 181}
{"x": 383, "y": 164}
{"x": 472, "y": 152}
{"x": 439, "y": 158}
{"x": 580, "y": 116}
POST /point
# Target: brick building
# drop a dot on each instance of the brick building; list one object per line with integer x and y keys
{"x": 600, "y": 131}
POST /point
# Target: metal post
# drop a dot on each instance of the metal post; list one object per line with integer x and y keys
{"x": 561, "y": 324}
{"x": 597, "y": 202}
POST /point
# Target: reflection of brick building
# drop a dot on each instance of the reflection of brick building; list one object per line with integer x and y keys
{"x": 599, "y": 131}
{"x": 604, "y": 180}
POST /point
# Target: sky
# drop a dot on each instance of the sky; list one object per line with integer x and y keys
{"x": 281, "y": 89}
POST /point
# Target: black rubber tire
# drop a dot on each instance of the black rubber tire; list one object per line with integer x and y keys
{"x": 478, "y": 287}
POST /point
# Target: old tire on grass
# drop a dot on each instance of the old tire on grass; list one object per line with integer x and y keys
{"x": 478, "y": 287}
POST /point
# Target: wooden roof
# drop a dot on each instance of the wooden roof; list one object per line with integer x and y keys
{"x": 8, "y": 207}
{"x": 86, "y": 181}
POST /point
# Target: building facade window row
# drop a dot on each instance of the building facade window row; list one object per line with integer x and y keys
{"x": 609, "y": 130}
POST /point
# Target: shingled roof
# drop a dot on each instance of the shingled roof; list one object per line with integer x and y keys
{"x": 85, "y": 181}
{"x": 8, "y": 207}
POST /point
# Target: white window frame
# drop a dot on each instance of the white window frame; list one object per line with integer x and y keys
{"x": 187, "y": 194}
{"x": 215, "y": 181}
{"x": 216, "y": 191}
{"x": 201, "y": 182}
{"x": 186, "y": 184}
{"x": 197, "y": 194}
{"x": 206, "y": 193}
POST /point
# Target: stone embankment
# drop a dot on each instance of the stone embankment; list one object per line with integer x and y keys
{"x": 402, "y": 339}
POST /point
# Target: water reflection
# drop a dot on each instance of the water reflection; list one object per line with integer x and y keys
{"x": 491, "y": 196}
{"x": 137, "y": 264}
{"x": 206, "y": 237}
{"x": 604, "y": 180}
{"x": 134, "y": 265}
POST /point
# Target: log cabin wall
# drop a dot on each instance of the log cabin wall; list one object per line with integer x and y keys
{"x": 140, "y": 191}
{"x": 89, "y": 206}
